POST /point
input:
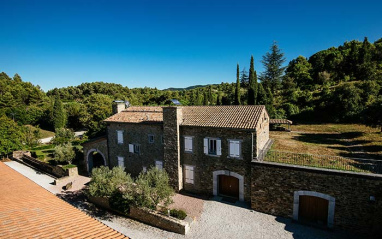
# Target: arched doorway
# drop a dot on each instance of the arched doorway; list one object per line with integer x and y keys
{"x": 314, "y": 208}
{"x": 95, "y": 159}
{"x": 228, "y": 183}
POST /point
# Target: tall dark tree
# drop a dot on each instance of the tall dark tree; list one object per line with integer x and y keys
{"x": 252, "y": 89}
{"x": 244, "y": 78}
{"x": 273, "y": 73}
{"x": 237, "y": 89}
{"x": 59, "y": 117}
{"x": 261, "y": 95}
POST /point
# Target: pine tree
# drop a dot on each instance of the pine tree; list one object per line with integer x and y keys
{"x": 237, "y": 90}
{"x": 252, "y": 90}
{"x": 58, "y": 114}
{"x": 274, "y": 71}
{"x": 244, "y": 78}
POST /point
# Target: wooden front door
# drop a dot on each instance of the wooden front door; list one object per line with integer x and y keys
{"x": 228, "y": 186}
{"x": 313, "y": 210}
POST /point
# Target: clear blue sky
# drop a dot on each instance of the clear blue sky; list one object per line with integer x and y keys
{"x": 168, "y": 43}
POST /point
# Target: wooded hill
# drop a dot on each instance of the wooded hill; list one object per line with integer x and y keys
{"x": 339, "y": 84}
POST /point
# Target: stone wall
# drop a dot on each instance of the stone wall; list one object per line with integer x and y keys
{"x": 172, "y": 117}
{"x": 135, "y": 134}
{"x": 98, "y": 145}
{"x": 262, "y": 132}
{"x": 274, "y": 186}
{"x": 206, "y": 165}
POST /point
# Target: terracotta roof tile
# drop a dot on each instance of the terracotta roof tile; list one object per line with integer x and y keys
{"x": 29, "y": 211}
{"x": 233, "y": 116}
{"x": 280, "y": 121}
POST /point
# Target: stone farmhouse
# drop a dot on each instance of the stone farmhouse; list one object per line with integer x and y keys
{"x": 205, "y": 149}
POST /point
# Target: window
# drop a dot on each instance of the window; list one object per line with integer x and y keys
{"x": 159, "y": 165}
{"x": 212, "y": 146}
{"x": 120, "y": 136}
{"x": 189, "y": 174}
{"x": 121, "y": 162}
{"x": 188, "y": 144}
{"x": 151, "y": 138}
{"x": 234, "y": 148}
{"x": 144, "y": 169}
{"x": 134, "y": 148}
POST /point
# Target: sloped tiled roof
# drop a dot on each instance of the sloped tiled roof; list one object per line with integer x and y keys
{"x": 29, "y": 211}
{"x": 138, "y": 114}
{"x": 280, "y": 121}
{"x": 232, "y": 116}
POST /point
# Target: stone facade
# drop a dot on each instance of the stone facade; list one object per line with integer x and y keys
{"x": 355, "y": 198}
{"x": 98, "y": 145}
{"x": 206, "y": 165}
{"x": 136, "y": 134}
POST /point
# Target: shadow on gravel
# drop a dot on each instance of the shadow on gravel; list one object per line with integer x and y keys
{"x": 78, "y": 199}
{"x": 302, "y": 231}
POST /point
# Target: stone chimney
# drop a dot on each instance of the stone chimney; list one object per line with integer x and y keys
{"x": 172, "y": 118}
{"x": 118, "y": 106}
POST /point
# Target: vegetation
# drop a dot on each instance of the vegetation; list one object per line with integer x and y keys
{"x": 177, "y": 213}
{"x": 148, "y": 190}
{"x": 11, "y": 136}
{"x": 64, "y": 153}
{"x": 63, "y": 136}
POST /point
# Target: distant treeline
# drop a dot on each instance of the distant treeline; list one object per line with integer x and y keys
{"x": 340, "y": 84}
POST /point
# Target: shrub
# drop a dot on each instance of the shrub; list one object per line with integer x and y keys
{"x": 178, "y": 213}
{"x": 106, "y": 182}
{"x": 152, "y": 188}
{"x": 63, "y": 136}
{"x": 64, "y": 153}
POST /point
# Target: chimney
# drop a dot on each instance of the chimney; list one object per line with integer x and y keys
{"x": 118, "y": 106}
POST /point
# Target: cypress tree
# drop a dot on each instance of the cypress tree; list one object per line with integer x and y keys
{"x": 252, "y": 90}
{"x": 237, "y": 90}
{"x": 205, "y": 98}
{"x": 58, "y": 114}
{"x": 261, "y": 95}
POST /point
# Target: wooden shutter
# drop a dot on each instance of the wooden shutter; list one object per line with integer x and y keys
{"x": 189, "y": 174}
{"x": 206, "y": 145}
{"x": 131, "y": 148}
{"x": 188, "y": 144}
{"x": 234, "y": 148}
{"x": 218, "y": 147}
{"x": 159, "y": 165}
{"x": 121, "y": 162}
{"x": 120, "y": 136}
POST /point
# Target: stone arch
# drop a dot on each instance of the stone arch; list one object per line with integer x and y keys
{"x": 332, "y": 202}
{"x": 228, "y": 173}
{"x": 89, "y": 159}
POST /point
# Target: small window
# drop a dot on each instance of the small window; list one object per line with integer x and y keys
{"x": 212, "y": 146}
{"x": 159, "y": 165}
{"x": 120, "y": 136}
{"x": 189, "y": 174}
{"x": 151, "y": 138}
{"x": 137, "y": 148}
{"x": 121, "y": 161}
{"x": 144, "y": 169}
{"x": 188, "y": 144}
{"x": 134, "y": 148}
{"x": 234, "y": 148}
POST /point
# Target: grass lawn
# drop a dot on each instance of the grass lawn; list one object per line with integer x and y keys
{"x": 347, "y": 140}
{"x": 44, "y": 133}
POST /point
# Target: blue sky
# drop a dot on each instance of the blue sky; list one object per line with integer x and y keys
{"x": 168, "y": 43}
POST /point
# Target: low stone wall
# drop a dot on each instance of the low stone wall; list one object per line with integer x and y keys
{"x": 148, "y": 216}
{"x": 357, "y": 197}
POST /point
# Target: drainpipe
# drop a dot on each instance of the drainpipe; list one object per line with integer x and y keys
{"x": 251, "y": 145}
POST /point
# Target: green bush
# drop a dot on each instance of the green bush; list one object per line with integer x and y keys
{"x": 178, "y": 213}
{"x": 106, "y": 182}
{"x": 64, "y": 153}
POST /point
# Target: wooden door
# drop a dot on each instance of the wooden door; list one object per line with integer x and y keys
{"x": 313, "y": 210}
{"x": 228, "y": 186}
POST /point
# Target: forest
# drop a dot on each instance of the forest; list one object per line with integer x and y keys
{"x": 341, "y": 84}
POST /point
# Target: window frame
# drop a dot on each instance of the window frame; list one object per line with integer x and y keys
{"x": 153, "y": 139}
{"x": 188, "y": 150}
{"x": 188, "y": 180}
{"x": 240, "y": 141}
{"x": 121, "y": 159}
{"x": 161, "y": 163}
{"x": 217, "y": 145}
{"x": 120, "y": 136}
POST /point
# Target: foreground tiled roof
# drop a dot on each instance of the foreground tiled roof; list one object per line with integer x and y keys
{"x": 138, "y": 114}
{"x": 232, "y": 116}
{"x": 29, "y": 211}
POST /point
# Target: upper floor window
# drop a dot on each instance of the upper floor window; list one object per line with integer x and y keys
{"x": 188, "y": 144}
{"x": 234, "y": 148}
{"x": 121, "y": 161}
{"x": 212, "y": 146}
{"x": 189, "y": 174}
{"x": 120, "y": 136}
{"x": 134, "y": 148}
{"x": 151, "y": 138}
